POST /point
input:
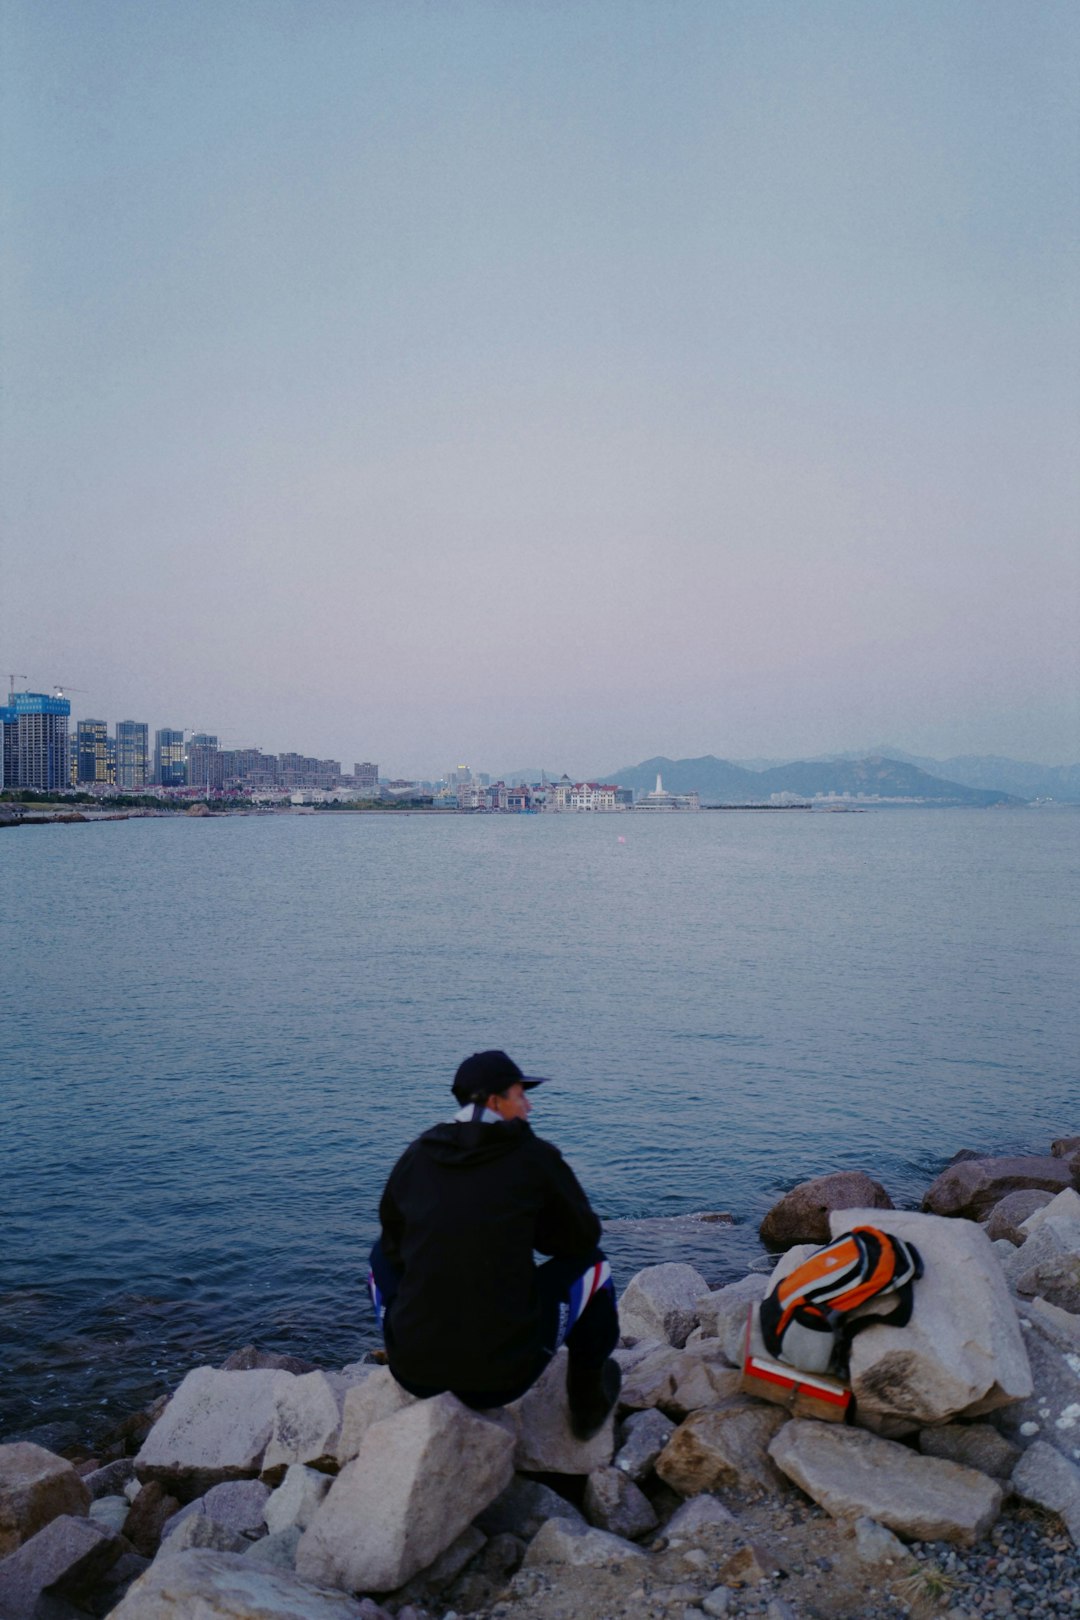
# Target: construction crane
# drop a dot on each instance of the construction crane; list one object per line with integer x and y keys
{"x": 11, "y": 682}
{"x": 60, "y": 688}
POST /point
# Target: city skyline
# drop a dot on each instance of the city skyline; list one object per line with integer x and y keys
{"x": 564, "y": 381}
{"x": 126, "y": 761}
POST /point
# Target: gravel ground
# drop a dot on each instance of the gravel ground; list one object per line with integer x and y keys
{"x": 1027, "y": 1566}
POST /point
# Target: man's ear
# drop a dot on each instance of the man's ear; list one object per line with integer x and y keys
{"x": 492, "y": 1103}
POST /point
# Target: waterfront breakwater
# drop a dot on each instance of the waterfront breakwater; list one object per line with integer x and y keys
{"x": 956, "y": 1489}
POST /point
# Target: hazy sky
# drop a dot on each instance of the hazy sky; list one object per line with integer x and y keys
{"x": 546, "y": 383}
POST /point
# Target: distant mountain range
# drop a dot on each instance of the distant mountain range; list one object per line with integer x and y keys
{"x": 966, "y": 779}
{"x": 719, "y": 781}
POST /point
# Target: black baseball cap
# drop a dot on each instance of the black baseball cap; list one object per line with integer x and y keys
{"x": 488, "y": 1073}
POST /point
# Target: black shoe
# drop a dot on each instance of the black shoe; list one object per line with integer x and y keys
{"x": 591, "y": 1392}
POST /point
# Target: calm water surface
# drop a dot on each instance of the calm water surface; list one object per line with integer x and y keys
{"x": 218, "y": 1035}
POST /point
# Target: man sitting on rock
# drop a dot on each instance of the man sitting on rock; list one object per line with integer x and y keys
{"x": 463, "y": 1306}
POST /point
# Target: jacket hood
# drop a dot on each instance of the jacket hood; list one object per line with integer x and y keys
{"x": 468, "y": 1144}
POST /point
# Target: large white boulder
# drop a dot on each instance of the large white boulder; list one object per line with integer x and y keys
{"x": 852, "y": 1474}
{"x": 418, "y": 1479}
{"x": 369, "y": 1401}
{"x": 962, "y": 1351}
{"x": 307, "y": 1421}
{"x": 661, "y": 1303}
{"x": 229, "y": 1586}
{"x": 35, "y": 1486}
{"x": 546, "y": 1444}
{"x": 216, "y": 1427}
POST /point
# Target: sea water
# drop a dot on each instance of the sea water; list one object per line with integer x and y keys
{"x": 219, "y": 1034}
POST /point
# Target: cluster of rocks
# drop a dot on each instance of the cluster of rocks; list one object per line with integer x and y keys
{"x": 274, "y": 1492}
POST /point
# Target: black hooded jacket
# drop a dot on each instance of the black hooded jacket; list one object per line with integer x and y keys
{"x": 464, "y": 1209}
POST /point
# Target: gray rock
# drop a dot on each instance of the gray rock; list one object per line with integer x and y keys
{"x": 230, "y": 1586}
{"x": 277, "y": 1550}
{"x": 1051, "y": 1481}
{"x": 545, "y": 1441}
{"x": 718, "y": 1602}
{"x": 307, "y": 1422}
{"x": 802, "y": 1215}
{"x": 111, "y": 1512}
{"x": 449, "y": 1564}
{"x": 1064, "y": 1206}
{"x": 643, "y": 1437}
{"x": 976, "y": 1445}
{"x": 971, "y": 1188}
{"x": 700, "y": 1380}
{"x": 876, "y": 1545}
{"x": 650, "y": 1379}
{"x": 522, "y": 1508}
{"x": 501, "y": 1556}
{"x": 238, "y": 1506}
{"x": 723, "y": 1450}
{"x": 35, "y": 1487}
{"x": 111, "y": 1479}
{"x": 368, "y": 1402}
{"x": 702, "y": 1512}
{"x": 67, "y": 1556}
{"x": 1048, "y": 1262}
{"x": 215, "y": 1428}
{"x": 196, "y": 1530}
{"x": 249, "y": 1358}
{"x": 296, "y": 1499}
{"x": 147, "y": 1517}
{"x": 660, "y": 1302}
{"x": 962, "y": 1351}
{"x": 723, "y": 1314}
{"x": 613, "y": 1502}
{"x": 853, "y": 1474}
{"x": 565, "y": 1541}
{"x": 1005, "y": 1219}
{"x": 418, "y": 1480}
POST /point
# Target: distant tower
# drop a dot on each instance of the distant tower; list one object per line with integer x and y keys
{"x": 39, "y": 742}
{"x": 366, "y": 777}
{"x": 204, "y": 762}
{"x": 9, "y": 720}
{"x": 132, "y": 747}
{"x": 659, "y": 785}
{"x": 92, "y": 752}
{"x": 169, "y": 758}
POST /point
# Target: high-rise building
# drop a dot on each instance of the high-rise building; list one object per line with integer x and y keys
{"x": 92, "y": 753}
{"x": 39, "y": 742}
{"x": 366, "y": 777}
{"x": 169, "y": 758}
{"x": 9, "y": 721}
{"x": 204, "y": 763}
{"x": 132, "y": 747}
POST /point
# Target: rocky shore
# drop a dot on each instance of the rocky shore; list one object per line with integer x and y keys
{"x": 268, "y": 1489}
